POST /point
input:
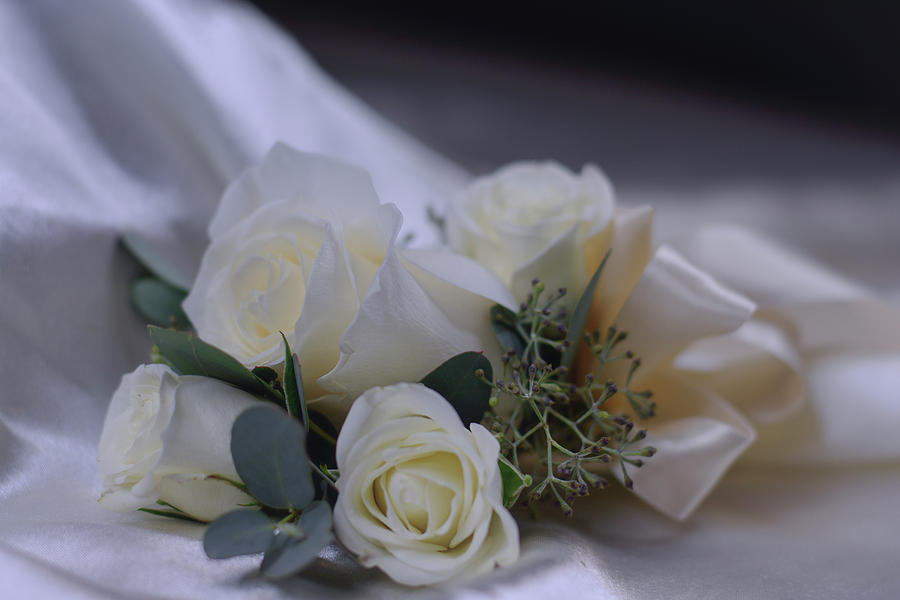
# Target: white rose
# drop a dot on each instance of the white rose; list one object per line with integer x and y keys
{"x": 539, "y": 220}
{"x": 164, "y": 435}
{"x": 301, "y": 245}
{"x": 420, "y": 496}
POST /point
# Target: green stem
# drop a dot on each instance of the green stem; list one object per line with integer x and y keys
{"x": 321, "y": 433}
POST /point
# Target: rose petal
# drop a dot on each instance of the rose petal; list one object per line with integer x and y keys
{"x": 319, "y": 186}
{"x": 200, "y": 496}
{"x": 560, "y": 264}
{"x": 329, "y": 307}
{"x": 462, "y": 289}
{"x": 399, "y": 334}
{"x": 199, "y": 435}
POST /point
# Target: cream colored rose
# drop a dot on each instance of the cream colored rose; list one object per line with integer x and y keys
{"x": 420, "y": 496}
{"x": 539, "y": 220}
{"x": 163, "y": 436}
{"x": 301, "y": 245}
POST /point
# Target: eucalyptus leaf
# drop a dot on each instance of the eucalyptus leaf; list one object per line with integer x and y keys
{"x": 293, "y": 385}
{"x": 289, "y": 553}
{"x": 190, "y": 355}
{"x": 238, "y": 532}
{"x": 153, "y": 257}
{"x": 159, "y": 302}
{"x": 580, "y": 315}
{"x": 514, "y": 483}
{"x": 455, "y": 380}
{"x": 269, "y": 452}
{"x": 503, "y": 321}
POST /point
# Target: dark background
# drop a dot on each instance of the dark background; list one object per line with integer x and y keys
{"x": 783, "y": 117}
{"x": 835, "y": 60}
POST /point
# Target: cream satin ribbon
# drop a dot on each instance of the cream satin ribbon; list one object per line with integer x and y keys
{"x": 810, "y": 376}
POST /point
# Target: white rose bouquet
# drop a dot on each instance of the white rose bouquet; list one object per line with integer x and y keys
{"x": 338, "y": 383}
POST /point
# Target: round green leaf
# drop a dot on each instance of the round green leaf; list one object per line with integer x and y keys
{"x": 269, "y": 452}
{"x": 159, "y": 302}
{"x": 455, "y": 380}
{"x": 239, "y": 532}
{"x": 290, "y": 552}
{"x": 161, "y": 259}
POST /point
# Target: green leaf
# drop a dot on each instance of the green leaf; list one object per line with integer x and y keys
{"x": 269, "y": 452}
{"x": 293, "y": 385}
{"x": 455, "y": 380}
{"x": 159, "y": 302}
{"x": 239, "y": 532}
{"x": 190, "y": 355}
{"x": 321, "y": 448}
{"x": 580, "y": 315}
{"x": 514, "y": 483}
{"x": 290, "y": 553}
{"x": 267, "y": 374}
{"x": 503, "y": 321}
{"x": 153, "y": 257}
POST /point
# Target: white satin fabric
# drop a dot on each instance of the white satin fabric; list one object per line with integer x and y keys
{"x": 121, "y": 116}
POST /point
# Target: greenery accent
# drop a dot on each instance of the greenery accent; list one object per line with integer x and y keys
{"x": 267, "y": 374}
{"x": 268, "y": 448}
{"x": 269, "y": 451}
{"x": 461, "y": 380}
{"x": 159, "y": 302}
{"x": 149, "y": 255}
{"x": 514, "y": 482}
{"x": 505, "y": 327}
{"x": 293, "y": 385}
{"x": 557, "y": 431}
{"x": 580, "y": 315}
{"x": 295, "y": 546}
{"x": 237, "y": 533}
{"x": 189, "y": 355}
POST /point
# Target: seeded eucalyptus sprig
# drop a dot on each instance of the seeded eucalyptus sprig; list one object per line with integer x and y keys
{"x": 558, "y": 432}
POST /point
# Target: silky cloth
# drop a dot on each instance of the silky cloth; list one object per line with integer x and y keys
{"x": 133, "y": 117}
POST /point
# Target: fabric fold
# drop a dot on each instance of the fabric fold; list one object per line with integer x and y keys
{"x": 817, "y": 369}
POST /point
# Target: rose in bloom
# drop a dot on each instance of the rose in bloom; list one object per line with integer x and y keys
{"x": 539, "y": 220}
{"x": 164, "y": 435}
{"x": 420, "y": 495}
{"x": 301, "y": 245}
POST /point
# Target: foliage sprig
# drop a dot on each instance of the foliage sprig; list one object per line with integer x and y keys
{"x": 555, "y": 431}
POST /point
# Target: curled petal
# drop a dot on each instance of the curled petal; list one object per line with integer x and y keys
{"x": 559, "y": 264}
{"x": 461, "y": 288}
{"x": 317, "y": 185}
{"x": 399, "y": 334}
{"x": 329, "y": 307}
